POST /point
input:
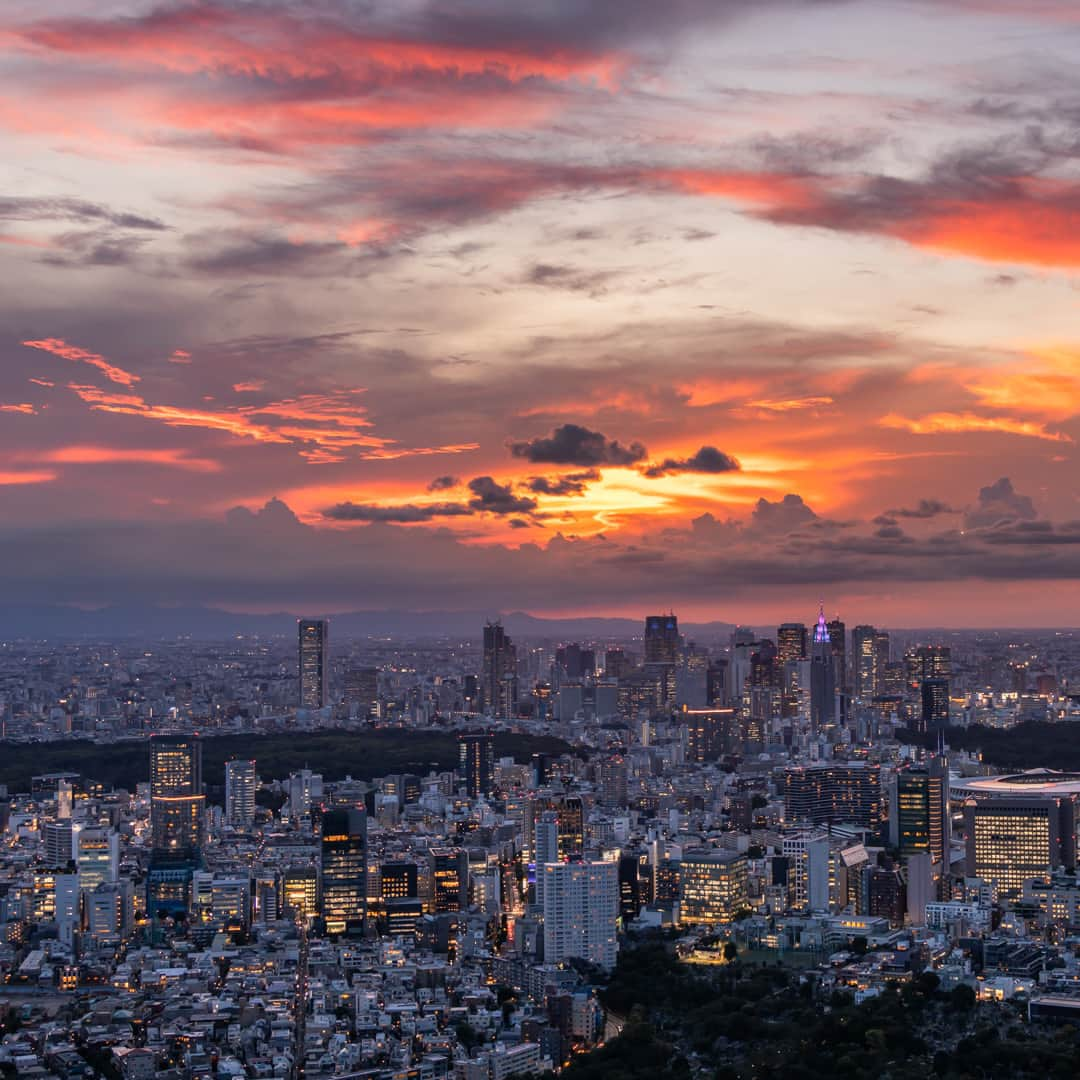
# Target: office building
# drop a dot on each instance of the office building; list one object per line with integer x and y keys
{"x": 343, "y": 850}
{"x": 498, "y": 683}
{"x": 57, "y": 843}
{"x": 791, "y": 642}
{"x": 710, "y": 733}
{"x": 809, "y": 867}
{"x": 476, "y": 763}
{"x": 177, "y": 803}
{"x": 712, "y": 885}
{"x": 927, "y": 662}
{"x": 838, "y": 640}
{"x": 399, "y": 880}
{"x": 663, "y": 645}
{"x": 97, "y": 854}
{"x": 546, "y": 839}
{"x": 919, "y": 817}
{"x": 362, "y": 692}
{"x": 869, "y": 655}
{"x": 240, "y": 783}
{"x": 580, "y": 902}
{"x": 314, "y": 663}
{"x": 822, "y": 677}
{"x": 614, "y": 780}
{"x": 847, "y": 792}
{"x": 449, "y": 879}
{"x": 571, "y": 821}
{"x": 934, "y": 714}
{"x": 300, "y": 892}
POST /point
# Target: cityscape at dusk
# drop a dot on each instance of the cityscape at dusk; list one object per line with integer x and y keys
{"x": 541, "y": 540}
{"x": 556, "y": 307}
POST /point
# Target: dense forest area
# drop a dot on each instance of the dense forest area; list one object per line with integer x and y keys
{"x": 738, "y": 1021}
{"x": 336, "y": 754}
{"x": 1032, "y": 745}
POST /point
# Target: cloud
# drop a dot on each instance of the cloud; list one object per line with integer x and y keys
{"x": 409, "y": 513}
{"x": 59, "y": 347}
{"x": 494, "y": 498}
{"x": 706, "y": 460}
{"x": 783, "y": 516}
{"x": 443, "y": 483}
{"x": 572, "y": 444}
{"x": 1000, "y": 504}
{"x": 15, "y": 208}
{"x": 924, "y": 510}
{"x": 568, "y": 484}
{"x": 951, "y": 423}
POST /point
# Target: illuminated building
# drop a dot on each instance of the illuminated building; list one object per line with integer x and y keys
{"x": 710, "y": 733}
{"x": 791, "y": 642}
{"x": 300, "y": 891}
{"x": 927, "y": 662}
{"x": 476, "y": 763}
{"x": 613, "y": 780}
{"x": 57, "y": 843}
{"x": 571, "y": 822}
{"x": 177, "y": 822}
{"x": 822, "y": 677}
{"x": 919, "y": 818}
{"x": 869, "y": 655}
{"x": 834, "y": 791}
{"x": 809, "y": 871}
{"x": 97, "y": 853}
{"x": 712, "y": 885}
{"x": 934, "y": 714}
{"x": 662, "y": 647}
{"x": 398, "y": 880}
{"x": 581, "y": 905}
{"x": 838, "y": 641}
{"x": 344, "y": 871}
{"x": 449, "y": 879}
{"x": 240, "y": 783}
{"x": 362, "y": 691}
{"x": 314, "y": 663}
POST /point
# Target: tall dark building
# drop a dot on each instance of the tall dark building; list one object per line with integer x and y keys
{"x": 629, "y": 886}
{"x": 919, "y": 818}
{"x": 362, "y": 690}
{"x": 476, "y": 763}
{"x": 344, "y": 871}
{"x": 869, "y": 655}
{"x": 838, "y": 640}
{"x": 934, "y": 714}
{"x": 616, "y": 665}
{"x": 571, "y": 822}
{"x": 662, "y": 647}
{"x": 927, "y": 662}
{"x": 498, "y": 682}
{"x": 822, "y": 677}
{"x": 399, "y": 880}
{"x": 710, "y": 733}
{"x": 791, "y": 642}
{"x": 314, "y": 663}
{"x": 449, "y": 879}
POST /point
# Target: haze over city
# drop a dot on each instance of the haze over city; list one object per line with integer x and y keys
{"x": 570, "y": 308}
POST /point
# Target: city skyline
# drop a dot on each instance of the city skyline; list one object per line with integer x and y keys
{"x": 725, "y": 308}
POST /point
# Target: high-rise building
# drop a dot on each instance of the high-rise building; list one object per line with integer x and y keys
{"x": 630, "y": 887}
{"x": 581, "y": 906}
{"x": 57, "y": 843}
{"x": 809, "y": 871}
{"x": 841, "y": 792}
{"x": 613, "y": 780}
{"x": 240, "y": 793}
{"x": 616, "y": 665}
{"x": 934, "y": 714}
{"x": 344, "y": 871}
{"x": 927, "y": 662}
{"x": 498, "y": 689}
{"x": 476, "y": 763}
{"x": 869, "y": 655}
{"x": 710, "y": 733}
{"x": 791, "y": 642}
{"x": 662, "y": 647}
{"x": 822, "y": 677}
{"x": 571, "y": 819}
{"x": 449, "y": 879}
{"x": 97, "y": 854}
{"x": 838, "y": 640}
{"x": 399, "y": 880}
{"x": 546, "y": 838}
{"x": 300, "y": 891}
{"x": 919, "y": 819}
{"x": 713, "y": 885}
{"x": 362, "y": 691}
{"x": 177, "y": 802}
{"x": 314, "y": 644}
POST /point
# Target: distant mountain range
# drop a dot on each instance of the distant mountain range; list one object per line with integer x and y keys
{"x": 124, "y": 621}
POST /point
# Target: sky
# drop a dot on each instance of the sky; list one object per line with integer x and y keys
{"x": 727, "y": 307}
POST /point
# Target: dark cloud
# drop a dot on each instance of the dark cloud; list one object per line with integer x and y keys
{"x": 924, "y": 510}
{"x": 568, "y": 484}
{"x": 571, "y": 444}
{"x": 495, "y": 498}
{"x": 443, "y": 483}
{"x": 261, "y": 254}
{"x": 706, "y": 460}
{"x": 998, "y": 504}
{"x": 569, "y": 278}
{"x": 781, "y": 517}
{"x": 15, "y": 208}
{"x": 405, "y": 514}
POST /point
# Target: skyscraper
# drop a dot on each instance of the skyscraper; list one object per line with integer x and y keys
{"x": 713, "y": 885}
{"x": 97, "y": 853}
{"x": 662, "y": 647}
{"x": 240, "y": 793}
{"x": 834, "y": 791}
{"x": 177, "y": 822}
{"x": 870, "y": 654}
{"x": 449, "y": 879}
{"x": 791, "y": 642}
{"x": 314, "y": 663}
{"x": 822, "y": 677}
{"x": 476, "y": 762}
{"x": 362, "y": 691}
{"x": 498, "y": 687}
{"x": 344, "y": 871}
{"x": 934, "y": 713}
{"x": 838, "y": 638}
{"x": 177, "y": 802}
{"x": 581, "y": 905}
{"x": 710, "y": 733}
{"x": 919, "y": 821}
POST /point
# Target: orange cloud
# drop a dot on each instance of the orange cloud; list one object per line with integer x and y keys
{"x": 180, "y": 356}
{"x": 59, "y": 347}
{"x": 106, "y": 455}
{"x": 783, "y": 405}
{"x": 249, "y": 387}
{"x": 943, "y": 423}
{"x": 30, "y": 477}
{"x": 43, "y": 382}
{"x": 28, "y": 409}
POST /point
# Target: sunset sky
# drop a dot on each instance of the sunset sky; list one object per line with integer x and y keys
{"x": 568, "y": 306}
